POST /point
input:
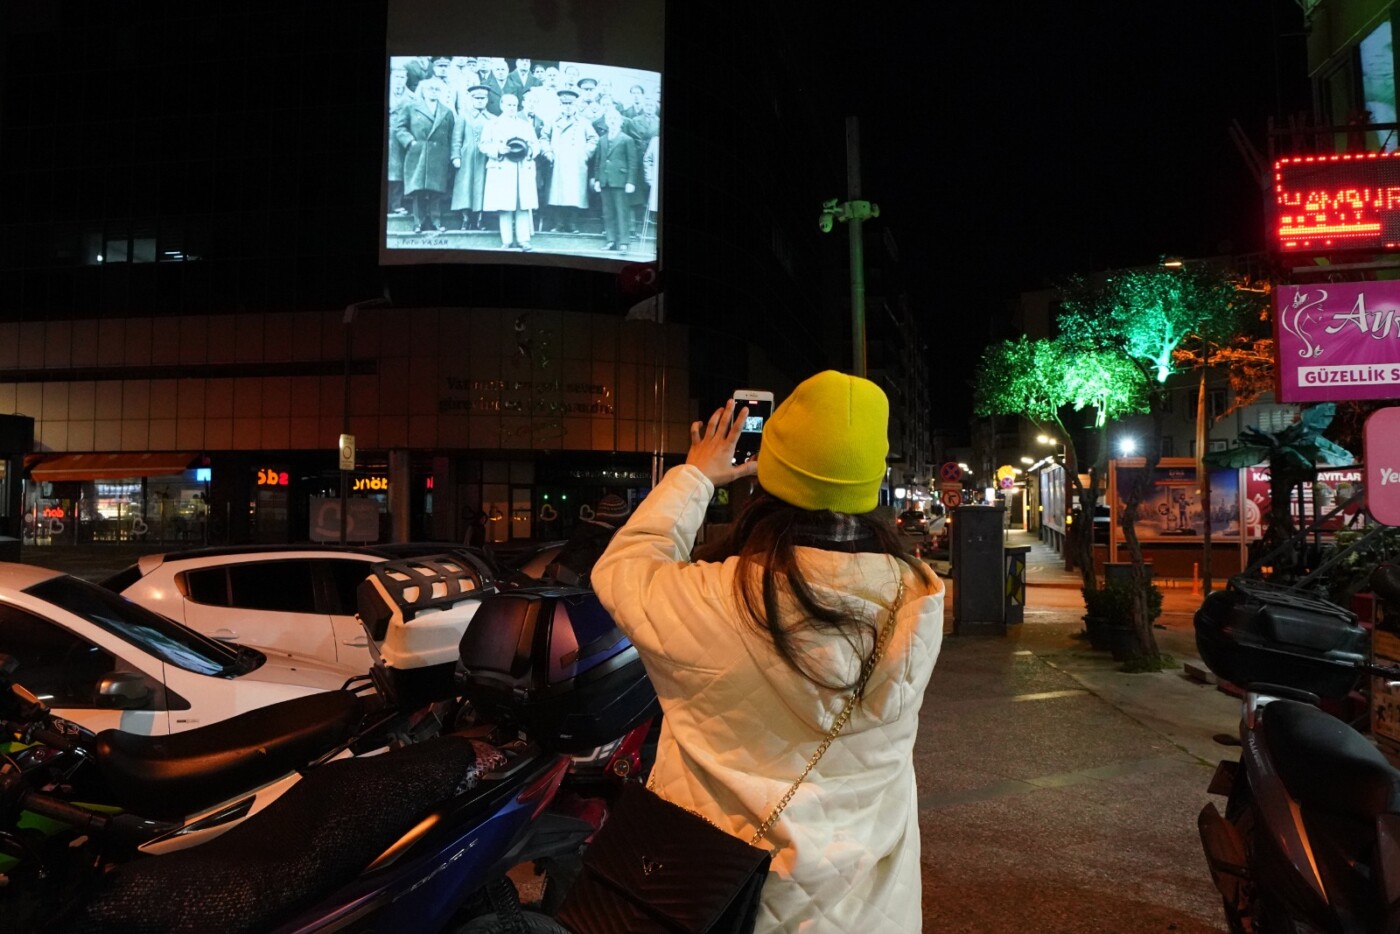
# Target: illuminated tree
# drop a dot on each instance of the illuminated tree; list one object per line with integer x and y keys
{"x": 1146, "y": 317}
{"x": 1042, "y": 379}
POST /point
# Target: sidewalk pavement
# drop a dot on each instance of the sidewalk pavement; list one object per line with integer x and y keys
{"x": 1058, "y": 794}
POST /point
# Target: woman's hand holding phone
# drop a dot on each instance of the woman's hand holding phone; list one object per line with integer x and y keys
{"x": 712, "y": 446}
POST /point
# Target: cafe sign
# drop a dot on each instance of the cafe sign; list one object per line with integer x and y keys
{"x": 1338, "y": 341}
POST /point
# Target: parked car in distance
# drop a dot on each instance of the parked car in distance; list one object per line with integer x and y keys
{"x": 298, "y": 599}
{"x": 913, "y": 522}
{"x": 105, "y": 662}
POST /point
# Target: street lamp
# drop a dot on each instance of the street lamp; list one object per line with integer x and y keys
{"x": 349, "y": 321}
{"x": 1127, "y": 446}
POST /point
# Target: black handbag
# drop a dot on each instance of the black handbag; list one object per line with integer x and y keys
{"x": 657, "y": 867}
{"x": 654, "y": 866}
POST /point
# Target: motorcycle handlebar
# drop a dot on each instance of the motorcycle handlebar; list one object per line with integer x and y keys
{"x": 81, "y": 819}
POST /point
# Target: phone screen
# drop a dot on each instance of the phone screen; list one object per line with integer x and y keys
{"x": 751, "y": 435}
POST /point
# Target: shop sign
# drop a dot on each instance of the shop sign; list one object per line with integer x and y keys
{"x": 1382, "y": 446}
{"x": 367, "y": 484}
{"x": 271, "y": 477}
{"x": 1338, "y": 341}
{"x": 1332, "y": 486}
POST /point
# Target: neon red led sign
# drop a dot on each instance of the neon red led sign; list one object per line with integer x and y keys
{"x": 1343, "y": 202}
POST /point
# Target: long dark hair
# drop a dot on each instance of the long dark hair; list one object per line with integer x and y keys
{"x": 765, "y": 538}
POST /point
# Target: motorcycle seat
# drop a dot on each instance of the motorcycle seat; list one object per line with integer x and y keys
{"x": 318, "y": 837}
{"x": 180, "y": 774}
{"x": 1327, "y": 765}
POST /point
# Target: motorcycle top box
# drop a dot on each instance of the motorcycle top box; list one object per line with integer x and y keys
{"x": 552, "y": 661}
{"x": 414, "y": 611}
{"x": 1259, "y": 633}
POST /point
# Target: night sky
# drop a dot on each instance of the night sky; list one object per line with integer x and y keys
{"x": 1018, "y": 144}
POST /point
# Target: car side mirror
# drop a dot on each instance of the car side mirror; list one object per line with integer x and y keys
{"x": 123, "y": 690}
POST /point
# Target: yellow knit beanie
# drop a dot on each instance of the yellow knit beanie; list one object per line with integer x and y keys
{"x": 825, "y": 446}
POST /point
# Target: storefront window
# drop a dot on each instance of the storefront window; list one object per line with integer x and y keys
{"x": 166, "y": 510}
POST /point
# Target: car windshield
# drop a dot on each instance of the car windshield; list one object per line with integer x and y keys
{"x": 163, "y": 638}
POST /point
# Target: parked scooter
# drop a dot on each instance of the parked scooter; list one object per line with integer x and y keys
{"x": 1310, "y": 837}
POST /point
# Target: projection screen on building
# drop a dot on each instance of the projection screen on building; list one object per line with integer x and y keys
{"x": 522, "y": 133}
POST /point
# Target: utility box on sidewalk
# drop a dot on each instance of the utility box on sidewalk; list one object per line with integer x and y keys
{"x": 1015, "y": 561}
{"x": 979, "y": 588}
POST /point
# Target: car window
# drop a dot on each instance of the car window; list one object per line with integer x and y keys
{"x": 208, "y": 586}
{"x": 281, "y": 586}
{"x": 60, "y": 667}
{"x": 345, "y": 576}
{"x": 164, "y": 638}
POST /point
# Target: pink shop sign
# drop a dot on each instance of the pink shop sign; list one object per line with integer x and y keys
{"x": 1338, "y": 341}
{"x": 1381, "y": 438}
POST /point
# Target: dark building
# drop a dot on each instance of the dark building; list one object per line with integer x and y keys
{"x": 195, "y": 310}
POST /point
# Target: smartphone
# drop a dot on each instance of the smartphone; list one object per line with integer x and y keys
{"x": 760, "y": 406}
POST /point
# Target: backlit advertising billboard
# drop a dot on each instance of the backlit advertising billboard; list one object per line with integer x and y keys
{"x": 1338, "y": 341}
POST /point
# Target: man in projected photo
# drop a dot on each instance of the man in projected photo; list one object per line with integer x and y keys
{"x": 399, "y": 97}
{"x": 469, "y": 184}
{"x": 496, "y": 83}
{"x": 616, "y": 168}
{"x": 424, "y": 128}
{"x": 521, "y": 80}
{"x": 570, "y": 146}
{"x": 644, "y": 127}
{"x": 420, "y": 69}
{"x": 510, "y": 146}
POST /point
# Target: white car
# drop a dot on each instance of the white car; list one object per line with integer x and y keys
{"x": 294, "y": 598}
{"x": 104, "y": 662}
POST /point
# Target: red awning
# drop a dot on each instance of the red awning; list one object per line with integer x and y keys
{"x": 62, "y": 467}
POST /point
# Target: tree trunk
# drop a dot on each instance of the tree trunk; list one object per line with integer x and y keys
{"x": 1142, "y": 623}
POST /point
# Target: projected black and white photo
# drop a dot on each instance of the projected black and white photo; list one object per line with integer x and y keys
{"x": 496, "y": 154}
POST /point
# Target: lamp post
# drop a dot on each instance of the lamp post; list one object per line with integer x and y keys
{"x": 349, "y": 321}
{"x": 854, "y": 211}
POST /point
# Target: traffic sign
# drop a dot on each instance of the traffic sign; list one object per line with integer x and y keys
{"x": 950, "y": 471}
{"x": 952, "y": 498}
{"x": 347, "y": 452}
{"x": 1008, "y": 482}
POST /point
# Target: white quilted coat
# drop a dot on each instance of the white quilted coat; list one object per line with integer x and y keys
{"x": 740, "y": 723}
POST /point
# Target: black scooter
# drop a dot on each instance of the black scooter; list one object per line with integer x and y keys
{"x": 1310, "y": 837}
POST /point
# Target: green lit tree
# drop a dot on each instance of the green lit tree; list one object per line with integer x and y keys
{"x": 1146, "y": 316}
{"x": 1043, "y": 381}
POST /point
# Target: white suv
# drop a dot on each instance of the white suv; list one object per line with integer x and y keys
{"x": 298, "y": 598}
{"x": 105, "y": 662}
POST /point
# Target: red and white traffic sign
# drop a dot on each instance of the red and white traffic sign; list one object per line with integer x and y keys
{"x": 950, "y": 471}
{"x": 952, "y": 498}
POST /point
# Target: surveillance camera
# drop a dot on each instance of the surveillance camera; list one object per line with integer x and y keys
{"x": 825, "y": 222}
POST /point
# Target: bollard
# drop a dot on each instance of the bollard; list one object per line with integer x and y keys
{"x": 1196, "y": 579}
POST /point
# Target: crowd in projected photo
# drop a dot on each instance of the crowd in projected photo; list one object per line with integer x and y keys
{"x": 489, "y": 153}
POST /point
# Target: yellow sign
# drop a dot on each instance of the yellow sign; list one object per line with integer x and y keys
{"x": 371, "y": 483}
{"x": 1004, "y": 471}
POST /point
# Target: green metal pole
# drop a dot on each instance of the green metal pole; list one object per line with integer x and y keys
{"x": 857, "y": 248}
